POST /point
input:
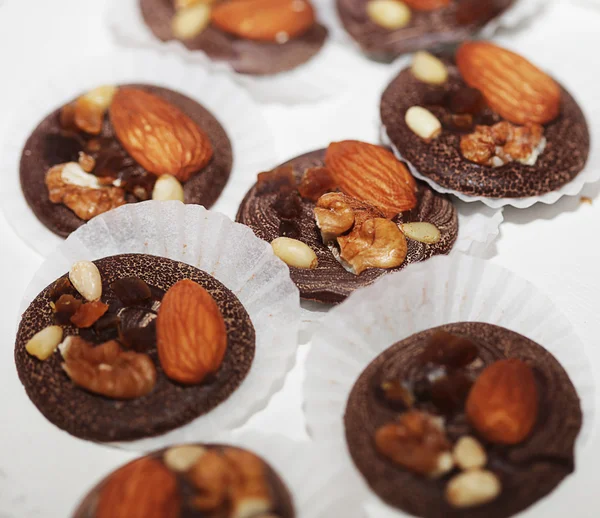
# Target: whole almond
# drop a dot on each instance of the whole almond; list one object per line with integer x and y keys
{"x": 158, "y": 135}
{"x": 511, "y": 85}
{"x": 264, "y": 20}
{"x": 503, "y": 403}
{"x": 144, "y": 488}
{"x": 190, "y": 333}
{"x": 373, "y": 174}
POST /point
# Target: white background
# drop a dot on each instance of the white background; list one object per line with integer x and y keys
{"x": 44, "y": 472}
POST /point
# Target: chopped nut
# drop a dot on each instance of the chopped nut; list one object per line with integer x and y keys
{"x": 416, "y": 443}
{"x": 429, "y": 69}
{"x": 294, "y": 253}
{"x": 108, "y": 370}
{"x": 190, "y": 21}
{"x": 316, "y": 182}
{"x": 86, "y": 162}
{"x": 377, "y": 243}
{"x": 334, "y": 215}
{"x": 91, "y": 107}
{"x": 389, "y": 14}
{"x": 473, "y": 488}
{"x": 502, "y": 143}
{"x": 423, "y": 123}
{"x": 166, "y": 188}
{"x": 86, "y": 279}
{"x": 183, "y": 458}
{"x": 422, "y": 231}
{"x": 45, "y": 342}
{"x": 469, "y": 453}
{"x": 88, "y": 314}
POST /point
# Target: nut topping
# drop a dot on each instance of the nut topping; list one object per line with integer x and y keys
{"x": 503, "y": 403}
{"x": 429, "y": 69}
{"x": 513, "y": 87}
{"x": 142, "y": 488}
{"x": 502, "y": 143}
{"x": 91, "y": 107}
{"x": 45, "y": 342}
{"x": 422, "y": 231}
{"x": 182, "y": 458}
{"x": 108, "y": 370}
{"x": 389, "y": 14}
{"x": 85, "y": 278}
{"x": 397, "y": 394}
{"x": 423, "y": 123}
{"x": 377, "y": 243}
{"x": 472, "y": 488}
{"x": 158, "y": 135}
{"x": 334, "y": 215}
{"x": 294, "y": 253}
{"x": 191, "y": 336}
{"x": 469, "y": 453}
{"x": 190, "y": 21}
{"x": 166, "y": 188}
{"x": 316, "y": 181}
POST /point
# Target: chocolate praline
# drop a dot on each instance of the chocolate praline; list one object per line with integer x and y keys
{"x": 48, "y": 146}
{"x": 170, "y": 404}
{"x": 245, "y": 56}
{"x": 441, "y": 160}
{"x": 426, "y": 29}
{"x": 330, "y": 282}
{"x": 528, "y": 471}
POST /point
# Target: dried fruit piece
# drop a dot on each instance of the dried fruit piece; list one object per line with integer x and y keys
{"x": 315, "y": 182}
{"x": 427, "y": 5}
{"x": 288, "y": 205}
{"x": 190, "y": 21}
{"x": 88, "y": 314}
{"x": 158, "y": 135}
{"x": 389, "y": 14}
{"x": 423, "y": 123}
{"x": 377, "y": 243}
{"x": 294, "y": 253}
{"x": 444, "y": 348}
{"x": 513, "y": 87}
{"x": 415, "y": 442}
{"x": 44, "y": 343}
{"x": 139, "y": 339}
{"x": 190, "y": 332}
{"x": 182, "y": 458}
{"x": 108, "y": 370}
{"x": 449, "y": 392}
{"x": 279, "y": 179}
{"x": 503, "y": 403}
{"x": 372, "y": 174}
{"x": 61, "y": 287}
{"x": 467, "y": 100}
{"x": 397, "y": 394}
{"x": 211, "y": 476}
{"x": 131, "y": 290}
{"x": 468, "y": 453}
{"x": 264, "y": 20}
{"x": 85, "y": 277}
{"x": 167, "y": 188}
{"x": 473, "y": 488}
{"x": 91, "y": 107}
{"x": 64, "y": 308}
{"x": 429, "y": 69}
{"x": 142, "y": 489}
{"x": 422, "y": 231}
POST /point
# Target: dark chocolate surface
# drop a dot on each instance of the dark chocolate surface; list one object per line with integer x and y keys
{"x": 46, "y": 147}
{"x": 170, "y": 404}
{"x": 283, "y": 501}
{"x": 441, "y": 160}
{"x": 427, "y": 29}
{"x": 528, "y": 471}
{"x": 245, "y": 56}
{"x": 330, "y": 282}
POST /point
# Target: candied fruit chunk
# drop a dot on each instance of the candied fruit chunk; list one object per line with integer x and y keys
{"x": 139, "y": 339}
{"x": 131, "y": 290}
{"x": 64, "y": 308}
{"x": 449, "y": 393}
{"x": 279, "y": 179}
{"x": 449, "y": 350}
{"x": 316, "y": 182}
{"x": 61, "y": 287}
{"x": 396, "y": 394}
{"x": 467, "y": 101}
{"x": 89, "y": 313}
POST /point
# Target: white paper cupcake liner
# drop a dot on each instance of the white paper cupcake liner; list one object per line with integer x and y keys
{"x": 228, "y": 251}
{"x": 439, "y": 291}
{"x": 240, "y": 116}
{"x": 319, "y": 78}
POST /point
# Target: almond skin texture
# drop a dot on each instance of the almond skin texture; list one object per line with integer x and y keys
{"x": 511, "y": 85}
{"x": 426, "y": 5}
{"x": 503, "y": 403}
{"x": 158, "y": 135}
{"x": 190, "y": 333}
{"x": 264, "y": 20}
{"x": 143, "y": 489}
{"x": 372, "y": 174}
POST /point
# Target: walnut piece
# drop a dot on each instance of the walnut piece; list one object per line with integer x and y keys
{"x": 502, "y": 143}
{"x": 81, "y": 192}
{"x": 108, "y": 370}
{"x": 376, "y": 243}
{"x": 415, "y": 442}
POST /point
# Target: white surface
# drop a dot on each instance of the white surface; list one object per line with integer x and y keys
{"x": 44, "y": 472}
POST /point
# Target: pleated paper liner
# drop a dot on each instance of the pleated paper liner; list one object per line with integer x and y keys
{"x": 425, "y": 295}
{"x": 240, "y": 116}
{"x": 319, "y": 78}
{"x": 229, "y": 252}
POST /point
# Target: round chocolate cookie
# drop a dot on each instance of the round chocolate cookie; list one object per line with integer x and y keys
{"x": 528, "y": 471}
{"x": 441, "y": 161}
{"x": 245, "y": 56}
{"x": 330, "y": 282}
{"x": 50, "y": 145}
{"x": 177, "y": 491}
{"x": 169, "y": 404}
{"x": 426, "y": 29}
